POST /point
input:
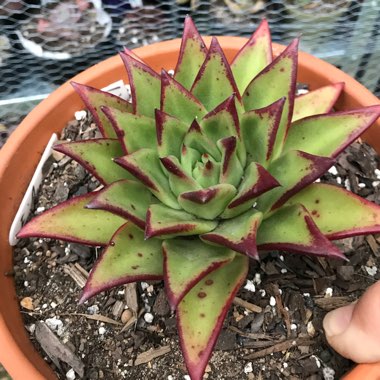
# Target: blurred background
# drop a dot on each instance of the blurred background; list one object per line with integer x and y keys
{"x": 45, "y": 42}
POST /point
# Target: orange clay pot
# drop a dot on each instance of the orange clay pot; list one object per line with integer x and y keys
{"x": 21, "y": 153}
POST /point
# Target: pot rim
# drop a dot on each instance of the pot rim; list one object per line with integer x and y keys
{"x": 18, "y": 355}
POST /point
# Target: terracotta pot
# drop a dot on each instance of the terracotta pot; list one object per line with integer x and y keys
{"x": 21, "y": 153}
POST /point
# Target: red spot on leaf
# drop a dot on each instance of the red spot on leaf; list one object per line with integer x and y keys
{"x": 202, "y": 294}
{"x": 209, "y": 282}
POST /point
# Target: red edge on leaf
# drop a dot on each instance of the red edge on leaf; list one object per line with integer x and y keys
{"x": 247, "y": 246}
{"x": 176, "y": 229}
{"x": 64, "y": 148}
{"x": 98, "y": 204}
{"x": 320, "y": 245}
{"x": 318, "y": 166}
{"x": 136, "y": 172}
{"x": 129, "y": 61}
{"x": 261, "y": 31}
{"x": 82, "y": 90}
{"x": 229, "y": 145}
{"x": 200, "y": 196}
{"x": 264, "y": 183}
{"x": 196, "y": 371}
{"x": 167, "y": 80}
{"x": 27, "y": 231}
{"x": 172, "y": 298}
{"x": 216, "y": 49}
{"x": 189, "y": 32}
{"x": 229, "y": 106}
{"x": 172, "y": 168}
{"x": 109, "y": 112}
{"x": 374, "y": 111}
{"x": 134, "y": 55}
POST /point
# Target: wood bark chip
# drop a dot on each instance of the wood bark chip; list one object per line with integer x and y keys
{"x": 250, "y": 306}
{"x": 151, "y": 354}
{"x": 77, "y": 273}
{"x": 131, "y": 297}
{"x": 332, "y": 302}
{"x": 56, "y": 350}
{"x": 280, "y": 308}
{"x": 373, "y": 245}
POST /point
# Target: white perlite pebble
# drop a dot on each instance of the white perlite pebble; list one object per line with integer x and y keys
{"x": 333, "y": 170}
{"x": 285, "y": 365}
{"x": 272, "y": 301}
{"x": 361, "y": 185}
{"x": 328, "y": 292}
{"x": 377, "y": 173}
{"x": 339, "y": 180}
{"x": 26, "y": 284}
{"x": 371, "y": 270}
{"x": 40, "y": 209}
{"x": 102, "y": 330}
{"x": 347, "y": 184}
{"x": 148, "y": 317}
{"x": 262, "y": 292}
{"x": 170, "y": 377}
{"x": 375, "y": 183}
{"x": 250, "y": 286}
{"x": 283, "y": 270}
{"x": 187, "y": 377}
{"x": 317, "y": 180}
{"x": 70, "y": 374}
{"x": 293, "y": 326}
{"x": 257, "y": 279}
{"x": 55, "y": 324}
{"x": 328, "y": 373}
{"x": 93, "y": 309}
{"x": 144, "y": 285}
{"x": 80, "y": 115}
{"x": 317, "y": 361}
{"x": 248, "y": 368}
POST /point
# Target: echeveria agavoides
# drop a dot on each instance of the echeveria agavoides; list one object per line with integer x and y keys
{"x": 202, "y": 171}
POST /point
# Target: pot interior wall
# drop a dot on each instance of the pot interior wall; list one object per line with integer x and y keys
{"x": 21, "y": 154}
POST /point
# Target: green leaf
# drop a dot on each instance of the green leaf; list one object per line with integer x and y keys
{"x": 238, "y": 234}
{"x": 207, "y": 171}
{"x": 338, "y": 213}
{"x": 207, "y": 203}
{"x": 231, "y": 168}
{"x": 214, "y": 82}
{"x": 170, "y": 133}
{"x": 71, "y": 221}
{"x": 292, "y": 229}
{"x": 191, "y": 55}
{"x": 164, "y": 222}
{"x": 94, "y": 99}
{"x": 134, "y": 131}
{"x": 253, "y": 57}
{"x": 186, "y": 262}
{"x": 145, "y": 165}
{"x": 129, "y": 199}
{"x": 189, "y": 157}
{"x": 294, "y": 171}
{"x": 276, "y": 81}
{"x": 256, "y": 181}
{"x": 328, "y": 135}
{"x": 145, "y": 86}
{"x": 97, "y": 156}
{"x": 179, "y": 180}
{"x": 259, "y": 129}
{"x": 316, "y": 102}
{"x": 201, "y": 313}
{"x": 179, "y": 102}
{"x": 128, "y": 258}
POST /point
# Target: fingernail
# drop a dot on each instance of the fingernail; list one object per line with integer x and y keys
{"x": 337, "y": 321}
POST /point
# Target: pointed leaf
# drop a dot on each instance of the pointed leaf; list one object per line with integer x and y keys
{"x": 259, "y": 129}
{"x": 179, "y": 180}
{"x": 134, "y": 131}
{"x": 292, "y": 229}
{"x": 316, "y": 102}
{"x": 186, "y": 262}
{"x": 164, "y": 222}
{"x": 179, "y": 102}
{"x": 207, "y": 171}
{"x": 231, "y": 170}
{"x": 207, "y": 203}
{"x": 199, "y": 141}
{"x": 201, "y": 313}
{"x": 170, "y": 133}
{"x": 145, "y": 86}
{"x": 337, "y": 212}
{"x": 253, "y": 57}
{"x": 128, "y": 258}
{"x": 214, "y": 82}
{"x": 238, "y": 234}
{"x": 129, "y": 199}
{"x": 256, "y": 181}
{"x": 96, "y": 156}
{"x": 328, "y": 135}
{"x": 294, "y": 171}
{"x": 94, "y": 99}
{"x": 189, "y": 157}
{"x": 71, "y": 221}
{"x": 191, "y": 55}
{"x": 145, "y": 165}
{"x": 276, "y": 81}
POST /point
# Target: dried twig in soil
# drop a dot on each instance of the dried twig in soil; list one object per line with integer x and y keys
{"x": 96, "y": 317}
{"x": 250, "y": 306}
{"x": 77, "y": 273}
{"x": 250, "y": 335}
{"x": 331, "y": 303}
{"x": 151, "y": 354}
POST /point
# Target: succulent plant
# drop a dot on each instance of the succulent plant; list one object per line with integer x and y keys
{"x": 202, "y": 171}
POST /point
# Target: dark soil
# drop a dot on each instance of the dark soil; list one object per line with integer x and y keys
{"x": 281, "y": 338}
